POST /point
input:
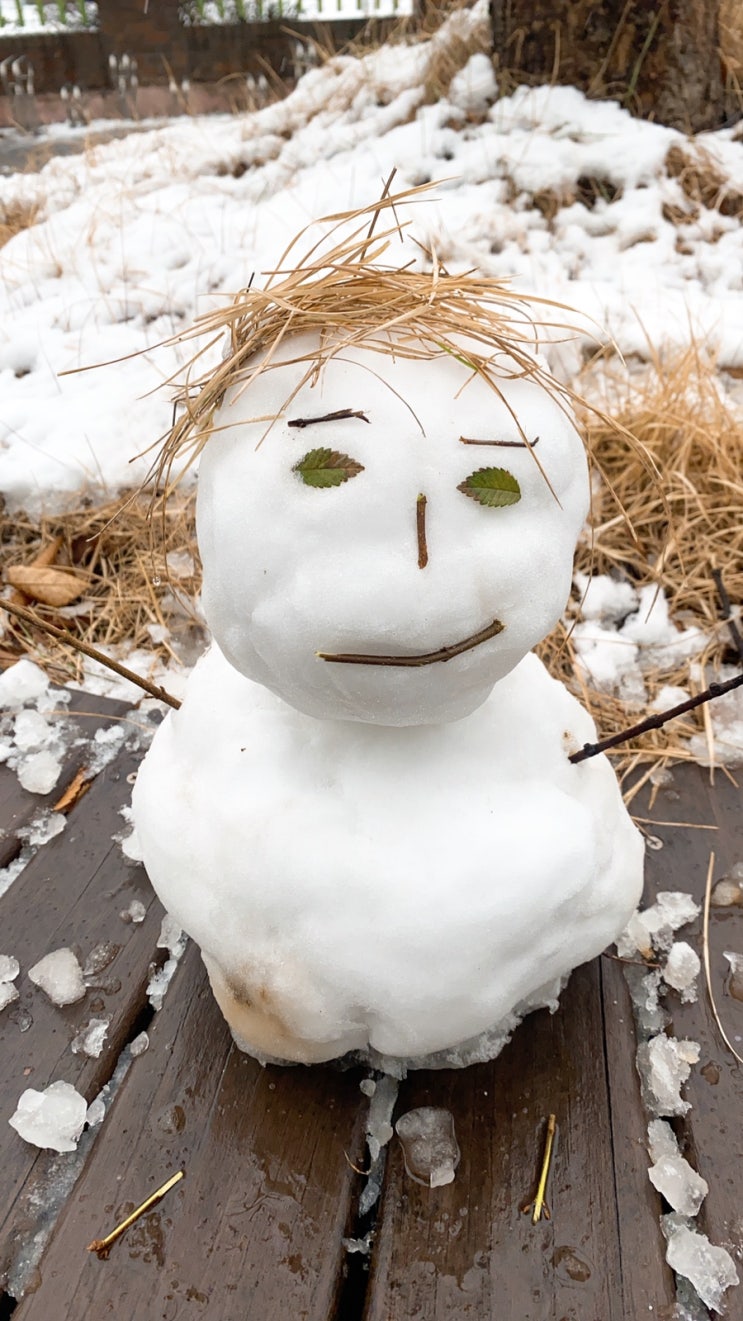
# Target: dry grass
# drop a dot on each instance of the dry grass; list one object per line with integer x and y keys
{"x": 342, "y": 293}
{"x": 16, "y": 217}
{"x": 702, "y": 182}
{"x": 130, "y": 591}
{"x": 673, "y": 535}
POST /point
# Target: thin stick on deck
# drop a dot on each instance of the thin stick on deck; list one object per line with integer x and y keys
{"x": 102, "y": 1246}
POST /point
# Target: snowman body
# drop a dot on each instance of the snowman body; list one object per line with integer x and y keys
{"x": 364, "y": 812}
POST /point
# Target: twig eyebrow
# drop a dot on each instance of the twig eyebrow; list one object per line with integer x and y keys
{"x": 337, "y": 416}
{"x": 502, "y": 444}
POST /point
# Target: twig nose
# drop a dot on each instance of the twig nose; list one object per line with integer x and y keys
{"x": 420, "y": 527}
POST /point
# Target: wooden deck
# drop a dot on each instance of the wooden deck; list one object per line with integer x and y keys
{"x": 256, "y": 1228}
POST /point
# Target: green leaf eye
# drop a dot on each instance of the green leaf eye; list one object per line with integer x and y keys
{"x": 493, "y": 487}
{"x": 325, "y": 467}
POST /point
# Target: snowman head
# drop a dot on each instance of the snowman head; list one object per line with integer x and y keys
{"x": 390, "y": 494}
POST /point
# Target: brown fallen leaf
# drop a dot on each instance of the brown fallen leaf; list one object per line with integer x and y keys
{"x": 50, "y": 586}
{"x": 78, "y": 786}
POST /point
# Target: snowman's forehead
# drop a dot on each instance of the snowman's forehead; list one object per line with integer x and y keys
{"x": 434, "y": 406}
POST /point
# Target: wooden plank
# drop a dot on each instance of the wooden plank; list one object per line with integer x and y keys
{"x": 255, "y": 1228}
{"x": 710, "y": 1132}
{"x": 71, "y": 893}
{"x": 646, "y": 1279}
{"x": 18, "y": 807}
{"x": 467, "y": 1250}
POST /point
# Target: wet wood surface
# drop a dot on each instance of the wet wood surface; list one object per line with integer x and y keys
{"x": 256, "y": 1228}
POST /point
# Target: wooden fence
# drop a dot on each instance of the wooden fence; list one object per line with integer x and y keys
{"x": 120, "y": 66}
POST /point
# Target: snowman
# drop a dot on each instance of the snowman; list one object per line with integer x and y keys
{"x": 364, "y": 812}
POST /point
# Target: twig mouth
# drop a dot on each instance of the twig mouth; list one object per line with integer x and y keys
{"x": 426, "y": 658}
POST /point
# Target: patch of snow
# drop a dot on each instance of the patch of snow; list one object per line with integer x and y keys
{"x": 53, "y": 1118}
{"x": 60, "y": 976}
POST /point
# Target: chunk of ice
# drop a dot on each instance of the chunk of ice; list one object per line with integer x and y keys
{"x": 682, "y": 1187}
{"x": 9, "y": 968}
{"x": 710, "y": 1269}
{"x": 45, "y": 826}
{"x": 682, "y": 969}
{"x": 171, "y": 937}
{"x": 39, "y": 773}
{"x": 368, "y": 1086}
{"x": 90, "y": 1039}
{"x": 661, "y": 1140}
{"x": 60, "y": 976}
{"x": 99, "y": 958}
{"x": 664, "y": 1064}
{"x": 429, "y": 1145}
{"x": 53, "y": 1118}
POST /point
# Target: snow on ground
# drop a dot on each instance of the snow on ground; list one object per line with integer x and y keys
{"x": 134, "y": 238}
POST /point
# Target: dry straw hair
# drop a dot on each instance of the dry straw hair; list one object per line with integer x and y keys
{"x": 349, "y": 296}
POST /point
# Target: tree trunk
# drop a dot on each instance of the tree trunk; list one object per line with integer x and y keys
{"x": 674, "y": 61}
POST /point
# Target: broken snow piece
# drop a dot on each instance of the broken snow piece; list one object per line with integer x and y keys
{"x": 682, "y": 969}
{"x": 22, "y": 682}
{"x": 429, "y": 1145}
{"x": 53, "y": 1118}
{"x": 139, "y": 1045}
{"x": 39, "y": 773}
{"x": 136, "y": 912}
{"x": 735, "y": 981}
{"x": 664, "y": 1064}
{"x": 367, "y": 1086}
{"x": 31, "y": 730}
{"x": 653, "y": 928}
{"x": 8, "y": 994}
{"x": 60, "y": 976}
{"x": 96, "y": 1113}
{"x": 9, "y": 968}
{"x": 710, "y": 1269}
{"x": 90, "y": 1039}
